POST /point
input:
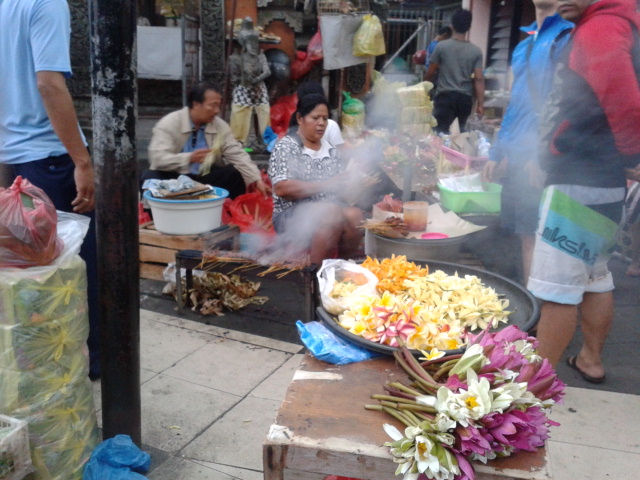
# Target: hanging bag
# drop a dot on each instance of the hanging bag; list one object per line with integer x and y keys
{"x": 369, "y": 39}
{"x": 28, "y": 226}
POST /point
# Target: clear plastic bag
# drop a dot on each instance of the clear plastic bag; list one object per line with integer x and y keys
{"x": 369, "y": 39}
{"x": 44, "y": 362}
{"x": 334, "y": 271}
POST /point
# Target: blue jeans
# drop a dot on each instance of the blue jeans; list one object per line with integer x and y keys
{"x": 54, "y": 175}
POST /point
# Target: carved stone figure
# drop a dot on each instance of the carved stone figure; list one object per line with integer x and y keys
{"x": 248, "y": 69}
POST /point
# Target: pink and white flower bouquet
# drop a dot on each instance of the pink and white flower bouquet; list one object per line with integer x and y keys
{"x": 491, "y": 401}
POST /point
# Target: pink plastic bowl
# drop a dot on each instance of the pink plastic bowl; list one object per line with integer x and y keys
{"x": 434, "y": 236}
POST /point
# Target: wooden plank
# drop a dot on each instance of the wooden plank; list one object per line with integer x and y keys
{"x": 152, "y": 271}
{"x": 150, "y": 236}
{"x": 149, "y": 253}
{"x": 335, "y": 460}
{"x": 177, "y": 242}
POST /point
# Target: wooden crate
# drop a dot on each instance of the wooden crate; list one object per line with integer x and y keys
{"x": 158, "y": 249}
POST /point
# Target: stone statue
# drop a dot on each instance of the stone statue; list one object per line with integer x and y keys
{"x": 248, "y": 69}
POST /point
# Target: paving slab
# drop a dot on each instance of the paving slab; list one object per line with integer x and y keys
{"x": 229, "y": 366}
{"x": 186, "y": 469}
{"x": 174, "y": 411}
{"x": 577, "y": 462}
{"x": 275, "y": 386}
{"x": 162, "y": 346}
{"x": 593, "y": 418}
{"x": 236, "y": 439}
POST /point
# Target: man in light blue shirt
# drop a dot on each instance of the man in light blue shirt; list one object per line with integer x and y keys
{"x": 40, "y": 138}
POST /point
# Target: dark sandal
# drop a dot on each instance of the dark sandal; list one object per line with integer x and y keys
{"x": 571, "y": 361}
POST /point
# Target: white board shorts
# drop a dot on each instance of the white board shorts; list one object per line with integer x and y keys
{"x": 573, "y": 244}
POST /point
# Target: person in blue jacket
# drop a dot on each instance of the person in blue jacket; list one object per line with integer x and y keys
{"x": 533, "y": 64}
{"x": 443, "y": 34}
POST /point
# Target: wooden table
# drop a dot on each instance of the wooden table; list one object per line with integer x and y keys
{"x": 323, "y": 429}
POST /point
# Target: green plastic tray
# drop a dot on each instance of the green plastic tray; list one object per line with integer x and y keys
{"x": 472, "y": 202}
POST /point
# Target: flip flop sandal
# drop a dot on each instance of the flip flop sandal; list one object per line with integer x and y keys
{"x": 571, "y": 361}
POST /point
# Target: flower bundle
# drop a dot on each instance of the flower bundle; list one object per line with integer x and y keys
{"x": 488, "y": 402}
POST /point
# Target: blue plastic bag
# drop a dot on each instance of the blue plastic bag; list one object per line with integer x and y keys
{"x": 270, "y": 138}
{"x": 328, "y": 347}
{"x": 115, "y": 459}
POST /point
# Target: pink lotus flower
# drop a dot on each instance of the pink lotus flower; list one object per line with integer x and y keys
{"x": 454, "y": 384}
{"x": 470, "y": 440}
{"x": 542, "y": 381}
{"x": 510, "y": 334}
{"x": 516, "y": 429}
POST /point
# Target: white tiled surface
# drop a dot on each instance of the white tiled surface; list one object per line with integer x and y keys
{"x": 209, "y": 396}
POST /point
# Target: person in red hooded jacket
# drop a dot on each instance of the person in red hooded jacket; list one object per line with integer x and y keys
{"x": 589, "y": 142}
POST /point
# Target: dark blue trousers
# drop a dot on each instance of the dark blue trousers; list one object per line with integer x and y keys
{"x": 448, "y": 106}
{"x": 54, "y": 175}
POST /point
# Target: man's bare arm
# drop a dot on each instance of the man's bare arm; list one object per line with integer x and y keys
{"x": 62, "y": 114}
{"x": 431, "y": 72}
{"x": 478, "y": 87}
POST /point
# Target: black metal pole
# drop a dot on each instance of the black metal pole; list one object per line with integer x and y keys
{"x": 114, "y": 92}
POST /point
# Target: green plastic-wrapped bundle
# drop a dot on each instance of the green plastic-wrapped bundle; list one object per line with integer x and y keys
{"x": 56, "y": 342}
{"x": 64, "y": 459}
{"x": 26, "y": 392}
{"x": 60, "y": 417}
{"x": 44, "y": 360}
{"x": 47, "y": 295}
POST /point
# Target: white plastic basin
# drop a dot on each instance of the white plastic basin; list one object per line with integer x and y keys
{"x": 187, "y": 217}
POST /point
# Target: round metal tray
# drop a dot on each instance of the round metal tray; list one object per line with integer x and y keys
{"x": 522, "y": 304}
{"x": 445, "y": 249}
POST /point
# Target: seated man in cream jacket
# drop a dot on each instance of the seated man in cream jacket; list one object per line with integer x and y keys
{"x": 194, "y": 142}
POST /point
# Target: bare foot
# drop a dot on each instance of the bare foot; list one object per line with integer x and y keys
{"x": 633, "y": 270}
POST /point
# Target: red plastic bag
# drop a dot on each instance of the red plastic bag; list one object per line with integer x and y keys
{"x": 264, "y": 177}
{"x": 299, "y": 68}
{"x": 252, "y": 212}
{"x": 419, "y": 57}
{"x": 281, "y": 112}
{"x": 143, "y": 217}
{"x": 314, "y": 49}
{"x": 334, "y": 477}
{"x": 28, "y": 227}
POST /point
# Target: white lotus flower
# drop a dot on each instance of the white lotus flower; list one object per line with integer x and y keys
{"x": 473, "y": 403}
{"x": 506, "y": 394}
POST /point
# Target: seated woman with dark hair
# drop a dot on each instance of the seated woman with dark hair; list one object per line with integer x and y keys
{"x": 309, "y": 181}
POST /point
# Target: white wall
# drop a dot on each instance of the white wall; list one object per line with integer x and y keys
{"x": 479, "y": 33}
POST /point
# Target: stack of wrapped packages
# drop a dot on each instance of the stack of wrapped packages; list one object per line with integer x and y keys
{"x": 44, "y": 362}
{"x": 416, "y": 112}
